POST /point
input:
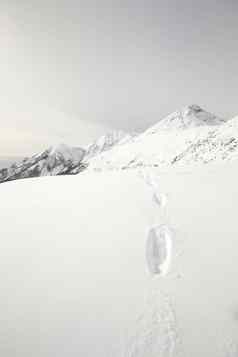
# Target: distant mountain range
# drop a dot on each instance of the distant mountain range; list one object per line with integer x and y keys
{"x": 8, "y": 161}
{"x": 60, "y": 160}
{"x": 189, "y": 136}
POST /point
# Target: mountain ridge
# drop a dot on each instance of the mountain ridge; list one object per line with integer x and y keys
{"x": 187, "y": 136}
{"x": 187, "y": 117}
{"x": 58, "y": 160}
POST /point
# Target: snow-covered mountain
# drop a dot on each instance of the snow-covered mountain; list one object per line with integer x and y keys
{"x": 171, "y": 140}
{"x": 59, "y": 160}
{"x": 107, "y": 142}
{"x": 8, "y": 161}
{"x": 188, "y": 117}
{"x": 189, "y": 136}
{"x": 216, "y": 144}
{"x": 62, "y": 159}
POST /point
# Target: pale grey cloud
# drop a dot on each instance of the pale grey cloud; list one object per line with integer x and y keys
{"x": 123, "y": 64}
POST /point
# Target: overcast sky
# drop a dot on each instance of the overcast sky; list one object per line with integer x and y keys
{"x": 70, "y": 69}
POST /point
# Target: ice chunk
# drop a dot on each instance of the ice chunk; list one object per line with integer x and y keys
{"x": 159, "y": 249}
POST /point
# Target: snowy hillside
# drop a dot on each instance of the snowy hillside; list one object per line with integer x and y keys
{"x": 58, "y": 160}
{"x": 172, "y": 140}
{"x": 188, "y": 117}
{"x": 144, "y": 268}
{"x": 220, "y": 143}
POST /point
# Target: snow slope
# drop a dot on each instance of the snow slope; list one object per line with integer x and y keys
{"x": 76, "y": 276}
{"x": 220, "y": 143}
{"x": 174, "y": 140}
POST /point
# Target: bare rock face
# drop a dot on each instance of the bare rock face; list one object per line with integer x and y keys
{"x": 60, "y": 160}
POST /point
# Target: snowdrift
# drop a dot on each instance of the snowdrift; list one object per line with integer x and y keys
{"x": 76, "y": 276}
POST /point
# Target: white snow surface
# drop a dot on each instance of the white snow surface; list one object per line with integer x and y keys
{"x": 74, "y": 275}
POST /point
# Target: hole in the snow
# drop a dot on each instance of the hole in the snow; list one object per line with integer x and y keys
{"x": 159, "y": 249}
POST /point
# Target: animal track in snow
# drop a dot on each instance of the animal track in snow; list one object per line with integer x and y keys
{"x": 159, "y": 238}
{"x": 152, "y": 181}
{"x": 160, "y": 199}
{"x": 156, "y": 331}
{"x": 159, "y": 249}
